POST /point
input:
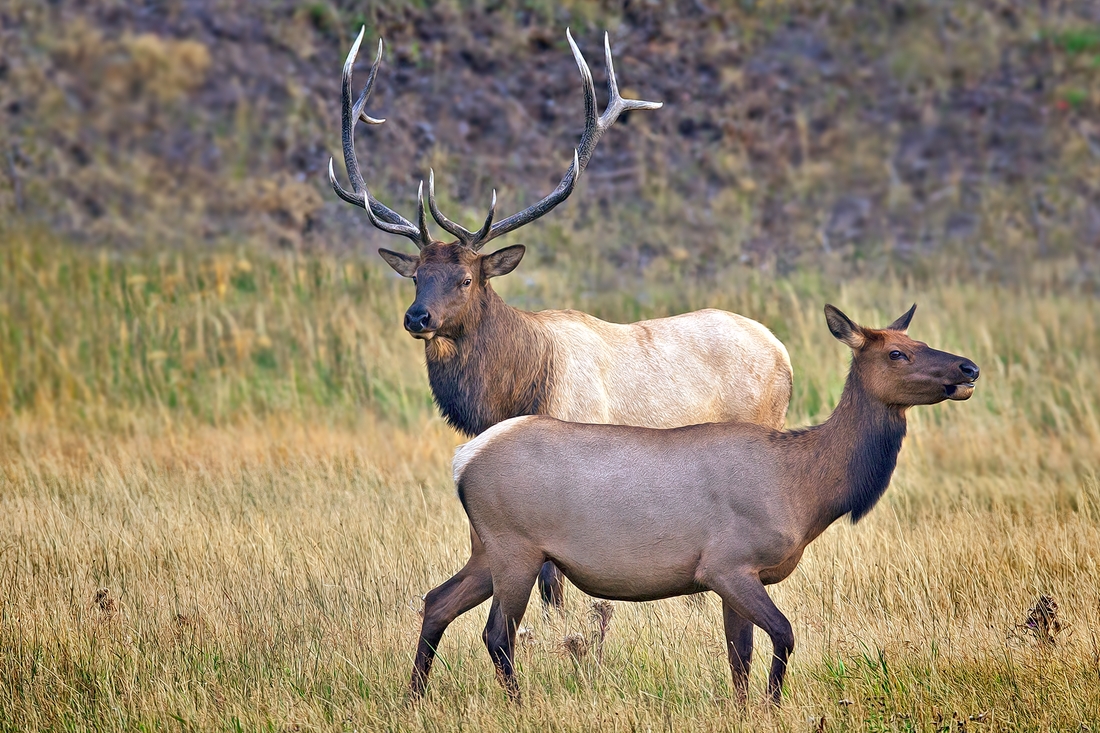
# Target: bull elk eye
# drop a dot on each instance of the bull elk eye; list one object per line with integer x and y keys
{"x": 466, "y": 282}
{"x": 414, "y": 279}
{"x": 896, "y": 355}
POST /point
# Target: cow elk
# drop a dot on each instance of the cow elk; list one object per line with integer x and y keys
{"x": 638, "y": 514}
{"x": 488, "y": 362}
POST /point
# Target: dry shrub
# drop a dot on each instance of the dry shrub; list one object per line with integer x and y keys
{"x": 105, "y": 602}
{"x": 164, "y": 67}
{"x": 132, "y": 69}
{"x": 1043, "y": 621}
{"x": 288, "y": 205}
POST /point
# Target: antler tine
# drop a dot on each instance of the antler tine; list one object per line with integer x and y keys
{"x": 594, "y": 127}
{"x": 469, "y": 239}
{"x": 351, "y": 112}
{"x": 480, "y": 238}
{"x": 455, "y": 230}
{"x": 616, "y": 103}
{"x": 345, "y": 195}
{"x": 357, "y": 112}
{"x": 421, "y": 217}
{"x": 419, "y": 237}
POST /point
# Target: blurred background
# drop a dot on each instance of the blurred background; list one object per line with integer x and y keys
{"x": 171, "y": 246}
{"x": 907, "y": 136}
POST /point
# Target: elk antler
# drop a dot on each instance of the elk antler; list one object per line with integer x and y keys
{"x": 390, "y": 221}
{"x": 594, "y": 128}
{"x": 379, "y": 214}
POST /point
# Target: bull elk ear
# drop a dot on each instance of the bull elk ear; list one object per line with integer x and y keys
{"x": 404, "y": 264}
{"x": 502, "y": 261}
{"x": 902, "y": 324}
{"x": 843, "y": 328}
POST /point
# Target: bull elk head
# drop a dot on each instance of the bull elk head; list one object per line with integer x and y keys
{"x": 449, "y": 277}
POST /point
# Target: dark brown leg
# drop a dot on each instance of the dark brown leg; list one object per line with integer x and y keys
{"x": 551, "y": 586}
{"x": 512, "y": 590}
{"x": 745, "y": 595}
{"x": 739, "y": 649}
{"x": 470, "y": 586}
{"x": 501, "y": 646}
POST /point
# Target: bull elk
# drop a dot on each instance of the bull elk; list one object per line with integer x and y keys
{"x": 488, "y": 362}
{"x": 638, "y": 514}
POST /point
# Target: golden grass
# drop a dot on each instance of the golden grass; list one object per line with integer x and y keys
{"x": 172, "y": 566}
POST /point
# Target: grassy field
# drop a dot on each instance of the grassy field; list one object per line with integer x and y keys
{"x": 223, "y": 490}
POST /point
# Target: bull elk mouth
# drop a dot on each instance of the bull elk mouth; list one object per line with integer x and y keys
{"x": 428, "y": 335}
{"x": 960, "y": 391}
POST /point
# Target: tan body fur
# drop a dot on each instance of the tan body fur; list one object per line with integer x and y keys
{"x": 488, "y": 362}
{"x": 633, "y": 513}
{"x": 705, "y": 366}
{"x": 619, "y": 509}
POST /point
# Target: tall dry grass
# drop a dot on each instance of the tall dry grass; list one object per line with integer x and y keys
{"x": 250, "y": 552}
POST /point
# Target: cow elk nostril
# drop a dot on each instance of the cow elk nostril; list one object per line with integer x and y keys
{"x": 969, "y": 369}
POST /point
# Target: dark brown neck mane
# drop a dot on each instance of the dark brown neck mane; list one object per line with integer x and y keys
{"x": 856, "y": 452}
{"x": 494, "y": 365}
{"x": 879, "y": 431}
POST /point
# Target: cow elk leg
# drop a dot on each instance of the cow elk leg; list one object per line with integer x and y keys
{"x": 745, "y": 595}
{"x": 471, "y": 585}
{"x": 511, "y": 591}
{"x": 739, "y": 649}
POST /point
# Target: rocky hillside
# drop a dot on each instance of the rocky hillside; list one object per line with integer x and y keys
{"x": 794, "y": 134}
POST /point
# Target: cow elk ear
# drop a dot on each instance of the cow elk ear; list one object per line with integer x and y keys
{"x": 404, "y": 264}
{"x": 902, "y": 324}
{"x": 843, "y": 328}
{"x": 502, "y": 261}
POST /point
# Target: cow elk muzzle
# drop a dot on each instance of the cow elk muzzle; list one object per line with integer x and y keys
{"x": 964, "y": 389}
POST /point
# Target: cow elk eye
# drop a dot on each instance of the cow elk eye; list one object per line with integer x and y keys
{"x": 414, "y": 279}
{"x": 466, "y": 282}
{"x": 895, "y": 355}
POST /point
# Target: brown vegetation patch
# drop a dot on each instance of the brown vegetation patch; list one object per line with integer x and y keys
{"x": 794, "y": 134}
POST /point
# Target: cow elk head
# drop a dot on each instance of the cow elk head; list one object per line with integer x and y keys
{"x": 898, "y": 370}
{"x": 450, "y": 277}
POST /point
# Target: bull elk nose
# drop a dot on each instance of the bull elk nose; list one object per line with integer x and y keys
{"x": 417, "y": 320}
{"x": 969, "y": 369}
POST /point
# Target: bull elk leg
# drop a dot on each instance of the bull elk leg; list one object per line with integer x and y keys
{"x": 471, "y": 585}
{"x": 551, "y": 586}
{"x": 739, "y": 649}
{"x": 744, "y": 594}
